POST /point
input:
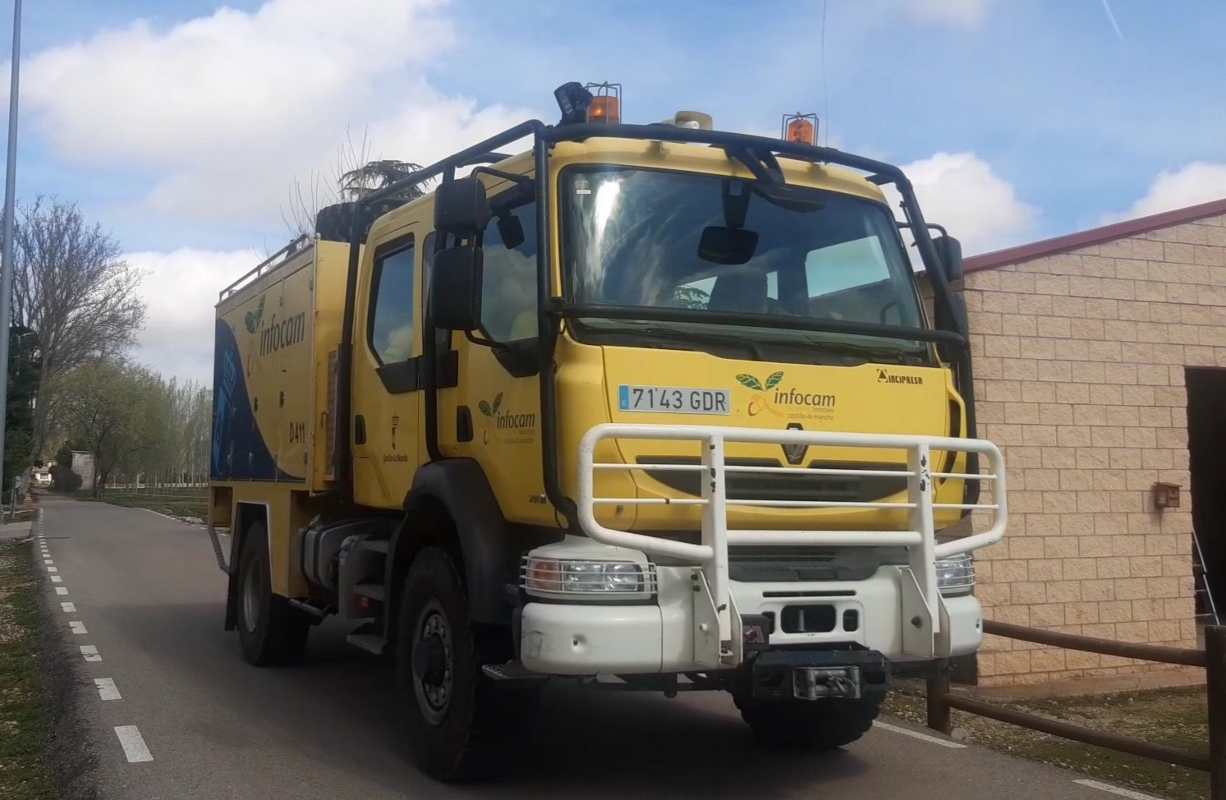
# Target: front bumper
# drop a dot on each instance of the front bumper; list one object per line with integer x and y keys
{"x": 659, "y": 636}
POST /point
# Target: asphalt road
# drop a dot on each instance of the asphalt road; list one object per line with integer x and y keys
{"x": 147, "y": 593}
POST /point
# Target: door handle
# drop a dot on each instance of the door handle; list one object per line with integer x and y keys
{"x": 359, "y": 429}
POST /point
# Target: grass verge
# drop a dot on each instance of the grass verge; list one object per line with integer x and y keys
{"x": 25, "y": 771}
{"x": 183, "y": 503}
{"x": 1173, "y": 717}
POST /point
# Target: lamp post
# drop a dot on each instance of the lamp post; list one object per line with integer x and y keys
{"x": 6, "y": 266}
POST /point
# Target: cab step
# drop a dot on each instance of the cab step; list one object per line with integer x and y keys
{"x": 366, "y": 637}
{"x": 512, "y": 671}
{"x": 374, "y": 591}
{"x": 374, "y": 545}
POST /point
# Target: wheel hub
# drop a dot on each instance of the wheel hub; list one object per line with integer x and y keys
{"x": 251, "y": 600}
{"x": 433, "y": 663}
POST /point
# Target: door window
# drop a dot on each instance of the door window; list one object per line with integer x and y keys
{"x": 391, "y": 305}
{"x": 508, "y": 290}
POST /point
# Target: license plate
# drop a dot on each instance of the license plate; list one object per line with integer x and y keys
{"x": 673, "y": 400}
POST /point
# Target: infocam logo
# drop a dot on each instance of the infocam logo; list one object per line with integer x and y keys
{"x": 505, "y": 420}
{"x": 771, "y": 396}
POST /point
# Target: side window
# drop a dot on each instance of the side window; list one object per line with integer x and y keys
{"x": 391, "y": 306}
{"x": 508, "y": 291}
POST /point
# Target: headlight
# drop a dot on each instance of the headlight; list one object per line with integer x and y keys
{"x": 955, "y": 575}
{"x": 591, "y": 578}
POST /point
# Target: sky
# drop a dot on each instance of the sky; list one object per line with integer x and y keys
{"x": 183, "y": 127}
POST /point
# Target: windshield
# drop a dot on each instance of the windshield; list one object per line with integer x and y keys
{"x": 636, "y": 237}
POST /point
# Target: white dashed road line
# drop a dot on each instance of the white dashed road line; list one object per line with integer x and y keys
{"x": 53, "y": 569}
{"x": 56, "y": 579}
{"x": 61, "y": 590}
{"x": 133, "y": 744}
{"x": 68, "y": 608}
{"x": 90, "y": 652}
{"x": 77, "y": 627}
{"x": 923, "y": 737}
{"x": 107, "y": 689}
{"x": 1116, "y": 790}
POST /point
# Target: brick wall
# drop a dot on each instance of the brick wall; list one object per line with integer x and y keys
{"x": 1079, "y": 361}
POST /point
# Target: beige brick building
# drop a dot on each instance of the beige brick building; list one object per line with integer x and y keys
{"x": 1082, "y": 348}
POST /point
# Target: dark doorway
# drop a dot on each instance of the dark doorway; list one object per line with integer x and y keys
{"x": 1207, "y": 450}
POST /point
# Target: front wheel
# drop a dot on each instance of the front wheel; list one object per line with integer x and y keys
{"x": 460, "y": 725}
{"x": 817, "y": 725}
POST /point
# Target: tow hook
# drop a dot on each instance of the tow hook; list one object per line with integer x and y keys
{"x": 818, "y": 683}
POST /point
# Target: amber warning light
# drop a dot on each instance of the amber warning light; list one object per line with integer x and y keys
{"x": 800, "y": 128}
{"x": 606, "y": 105}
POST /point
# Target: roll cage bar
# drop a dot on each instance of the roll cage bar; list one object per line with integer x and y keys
{"x": 758, "y": 153}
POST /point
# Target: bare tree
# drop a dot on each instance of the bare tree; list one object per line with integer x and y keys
{"x": 356, "y": 175}
{"x": 71, "y": 287}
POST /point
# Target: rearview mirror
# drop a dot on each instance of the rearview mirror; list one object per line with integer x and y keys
{"x": 949, "y": 250}
{"x": 460, "y": 207}
{"x": 731, "y": 246}
{"x": 954, "y": 320}
{"x": 510, "y": 230}
{"x": 455, "y": 288}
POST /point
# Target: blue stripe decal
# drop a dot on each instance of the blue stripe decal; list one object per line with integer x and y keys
{"x": 623, "y": 397}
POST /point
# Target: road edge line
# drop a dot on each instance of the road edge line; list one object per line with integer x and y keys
{"x": 923, "y": 737}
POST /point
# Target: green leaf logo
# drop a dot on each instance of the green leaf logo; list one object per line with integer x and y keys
{"x": 774, "y": 379}
{"x": 485, "y": 408}
{"x": 252, "y": 319}
{"x": 497, "y": 402}
{"x": 748, "y": 381}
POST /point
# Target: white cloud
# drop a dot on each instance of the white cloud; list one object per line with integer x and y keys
{"x": 1197, "y": 182}
{"x": 180, "y": 289}
{"x": 963, "y": 13}
{"x": 961, "y": 192}
{"x": 227, "y": 110}
{"x": 224, "y": 112}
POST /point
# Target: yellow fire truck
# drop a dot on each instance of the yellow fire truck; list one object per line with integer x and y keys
{"x": 650, "y": 404}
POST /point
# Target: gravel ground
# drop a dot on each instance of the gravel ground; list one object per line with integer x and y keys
{"x": 1174, "y": 717}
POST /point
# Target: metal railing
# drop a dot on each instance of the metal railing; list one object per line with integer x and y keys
{"x": 1213, "y": 658}
{"x": 290, "y": 250}
{"x": 711, "y": 554}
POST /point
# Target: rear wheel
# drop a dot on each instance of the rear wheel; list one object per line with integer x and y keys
{"x": 817, "y": 725}
{"x": 269, "y": 630}
{"x": 460, "y": 725}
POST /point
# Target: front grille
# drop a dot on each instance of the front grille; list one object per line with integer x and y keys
{"x": 789, "y": 564}
{"x": 781, "y": 486}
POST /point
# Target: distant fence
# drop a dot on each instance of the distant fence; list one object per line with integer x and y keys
{"x": 1212, "y": 658}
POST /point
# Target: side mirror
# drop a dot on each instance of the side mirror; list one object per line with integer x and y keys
{"x": 461, "y": 208}
{"x": 954, "y": 320}
{"x": 455, "y": 289}
{"x": 949, "y": 250}
{"x": 731, "y": 246}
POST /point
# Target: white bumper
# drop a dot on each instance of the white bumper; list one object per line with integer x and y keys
{"x": 658, "y": 637}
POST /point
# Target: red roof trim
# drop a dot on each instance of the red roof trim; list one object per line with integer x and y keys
{"x": 1072, "y": 241}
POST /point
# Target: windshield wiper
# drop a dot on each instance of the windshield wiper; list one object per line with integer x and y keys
{"x": 688, "y": 337}
{"x": 868, "y": 353}
{"x": 753, "y": 320}
{"x": 754, "y": 348}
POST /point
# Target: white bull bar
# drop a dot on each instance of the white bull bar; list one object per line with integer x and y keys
{"x": 712, "y": 554}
